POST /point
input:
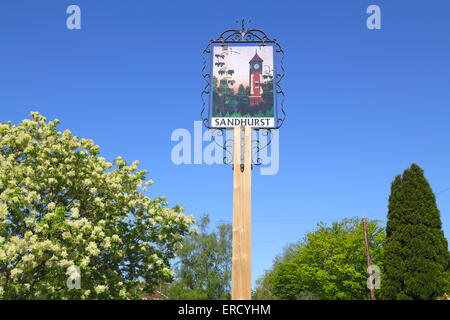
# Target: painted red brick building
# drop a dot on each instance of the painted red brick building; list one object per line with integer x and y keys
{"x": 256, "y": 90}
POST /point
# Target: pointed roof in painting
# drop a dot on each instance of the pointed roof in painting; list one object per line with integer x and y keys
{"x": 256, "y": 58}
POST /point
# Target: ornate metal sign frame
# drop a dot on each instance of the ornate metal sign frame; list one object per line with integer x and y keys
{"x": 242, "y": 36}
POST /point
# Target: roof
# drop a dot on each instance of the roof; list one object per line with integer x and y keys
{"x": 256, "y": 58}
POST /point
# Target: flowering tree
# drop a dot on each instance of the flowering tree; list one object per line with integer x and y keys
{"x": 64, "y": 208}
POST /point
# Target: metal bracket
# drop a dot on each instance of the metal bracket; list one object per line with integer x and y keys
{"x": 242, "y": 167}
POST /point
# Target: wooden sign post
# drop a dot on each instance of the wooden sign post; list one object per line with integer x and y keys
{"x": 242, "y": 93}
{"x": 242, "y": 183}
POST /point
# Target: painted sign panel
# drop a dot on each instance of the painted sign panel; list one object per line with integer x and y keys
{"x": 243, "y": 86}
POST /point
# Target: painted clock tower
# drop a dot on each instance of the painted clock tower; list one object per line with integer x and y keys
{"x": 256, "y": 90}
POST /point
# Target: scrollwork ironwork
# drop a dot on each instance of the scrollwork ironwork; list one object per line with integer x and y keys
{"x": 256, "y": 145}
{"x": 227, "y": 145}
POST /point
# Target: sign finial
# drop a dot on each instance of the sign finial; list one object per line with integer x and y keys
{"x": 244, "y": 29}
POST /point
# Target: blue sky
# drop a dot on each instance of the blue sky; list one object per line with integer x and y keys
{"x": 361, "y": 104}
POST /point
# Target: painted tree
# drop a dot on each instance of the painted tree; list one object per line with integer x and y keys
{"x": 241, "y": 90}
{"x": 268, "y": 74}
{"x": 62, "y": 205}
{"x": 416, "y": 257}
{"x": 225, "y": 73}
{"x": 330, "y": 263}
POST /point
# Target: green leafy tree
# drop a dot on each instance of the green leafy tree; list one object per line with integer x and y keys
{"x": 62, "y": 205}
{"x": 416, "y": 257}
{"x": 203, "y": 269}
{"x": 265, "y": 289}
{"x": 330, "y": 263}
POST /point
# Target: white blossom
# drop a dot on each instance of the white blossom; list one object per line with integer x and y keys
{"x": 51, "y": 206}
{"x": 57, "y": 168}
{"x": 101, "y": 288}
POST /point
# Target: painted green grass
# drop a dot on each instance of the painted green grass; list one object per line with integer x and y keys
{"x": 269, "y": 113}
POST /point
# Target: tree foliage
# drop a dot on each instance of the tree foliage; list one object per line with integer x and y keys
{"x": 330, "y": 263}
{"x": 62, "y": 205}
{"x": 203, "y": 269}
{"x": 416, "y": 256}
{"x": 265, "y": 289}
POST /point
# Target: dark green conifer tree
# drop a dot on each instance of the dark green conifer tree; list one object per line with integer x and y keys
{"x": 416, "y": 256}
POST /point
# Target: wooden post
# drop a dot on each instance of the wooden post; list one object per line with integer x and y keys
{"x": 372, "y": 296}
{"x": 242, "y": 179}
